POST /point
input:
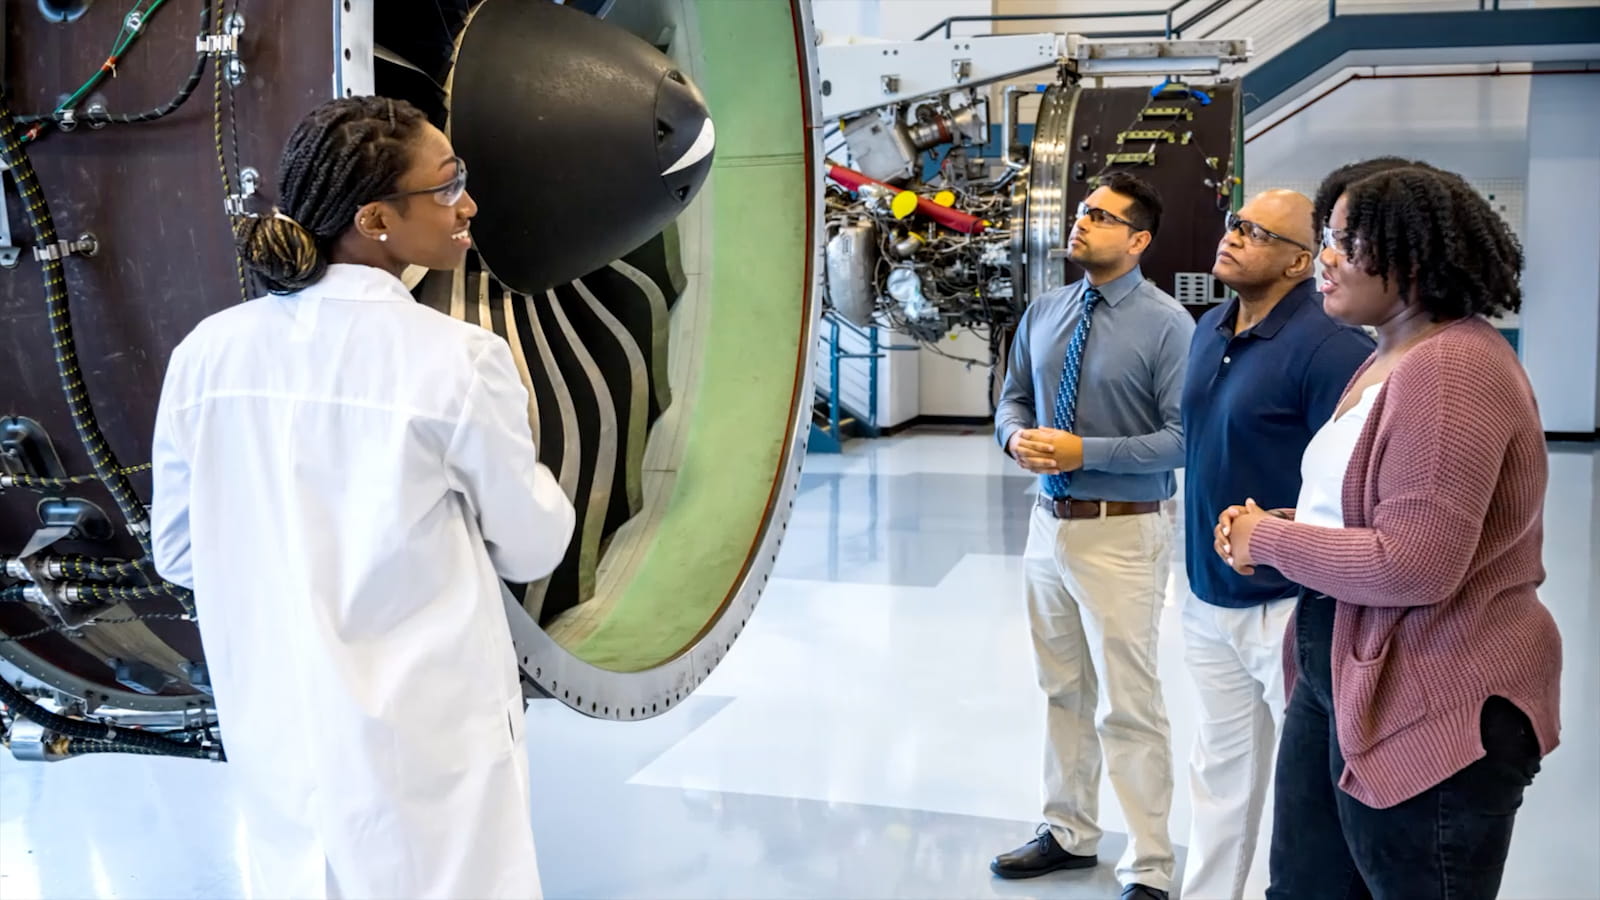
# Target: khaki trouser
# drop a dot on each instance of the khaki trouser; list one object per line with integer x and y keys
{"x": 1094, "y": 592}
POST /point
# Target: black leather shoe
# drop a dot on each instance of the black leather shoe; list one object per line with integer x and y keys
{"x": 1140, "y": 892}
{"x": 1040, "y": 856}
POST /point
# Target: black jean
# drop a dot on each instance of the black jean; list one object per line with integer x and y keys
{"x": 1447, "y": 843}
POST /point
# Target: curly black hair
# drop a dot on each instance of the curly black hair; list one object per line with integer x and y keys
{"x": 1146, "y": 209}
{"x": 344, "y": 154}
{"x": 1430, "y": 230}
{"x": 1339, "y": 179}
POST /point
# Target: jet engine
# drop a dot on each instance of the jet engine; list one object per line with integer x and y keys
{"x": 665, "y": 341}
{"x": 939, "y": 218}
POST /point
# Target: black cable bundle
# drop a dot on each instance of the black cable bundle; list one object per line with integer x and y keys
{"x": 104, "y": 462}
{"x": 160, "y": 112}
{"x": 101, "y": 458}
{"x": 114, "y": 738}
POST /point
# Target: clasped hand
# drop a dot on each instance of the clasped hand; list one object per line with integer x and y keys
{"x": 1047, "y": 451}
{"x": 1232, "y": 535}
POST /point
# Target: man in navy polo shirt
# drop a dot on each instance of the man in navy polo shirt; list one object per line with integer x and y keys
{"x": 1265, "y": 372}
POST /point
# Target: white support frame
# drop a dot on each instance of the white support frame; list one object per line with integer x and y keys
{"x": 861, "y": 77}
{"x": 1100, "y": 58}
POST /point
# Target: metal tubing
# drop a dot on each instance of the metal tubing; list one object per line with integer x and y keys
{"x": 1010, "y": 109}
{"x": 872, "y": 380}
{"x": 833, "y": 384}
{"x": 1229, "y": 20}
{"x": 1193, "y": 20}
{"x": 1037, "y": 17}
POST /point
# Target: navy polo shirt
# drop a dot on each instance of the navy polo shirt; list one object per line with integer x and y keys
{"x": 1251, "y": 403}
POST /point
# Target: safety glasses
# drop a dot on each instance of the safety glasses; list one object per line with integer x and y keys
{"x": 447, "y": 194}
{"x": 1341, "y": 240}
{"x": 1101, "y": 217}
{"x": 1255, "y": 234}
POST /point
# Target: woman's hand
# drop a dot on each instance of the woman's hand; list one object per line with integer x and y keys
{"x": 1232, "y": 535}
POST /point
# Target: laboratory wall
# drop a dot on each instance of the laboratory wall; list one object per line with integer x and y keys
{"x": 1525, "y": 138}
{"x": 1561, "y": 312}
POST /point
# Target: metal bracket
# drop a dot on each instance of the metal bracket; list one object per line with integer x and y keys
{"x": 79, "y": 519}
{"x": 85, "y": 245}
{"x": 26, "y": 449}
{"x": 1147, "y": 158}
{"x": 225, "y": 45}
{"x": 238, "y": 204}
{"x": 9, "y": 254}
{"x": 217, "y": 44}
{"x": 140, "y": 676}
{"x": 1156, "y": 134}
{"x": 1100, "y": 58}
{"x": 61, "y": 520}
{"x": 30, "y": 742}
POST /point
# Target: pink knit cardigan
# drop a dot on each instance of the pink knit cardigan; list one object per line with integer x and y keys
{"x": 1436, "y": 568}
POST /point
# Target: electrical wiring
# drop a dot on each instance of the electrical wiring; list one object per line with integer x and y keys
{"x": 29, "y": 481}
{"x": 222, "y": 160}
{"x": 108, "y": 471}
{"x": 133, "y": 25}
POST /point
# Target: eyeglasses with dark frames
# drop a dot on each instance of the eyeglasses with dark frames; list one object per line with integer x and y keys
{"x": 1101, "y": 217}
{"x": 1258, "y": 235}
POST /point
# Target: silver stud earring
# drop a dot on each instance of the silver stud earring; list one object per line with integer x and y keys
{"x": 383, "y": 237}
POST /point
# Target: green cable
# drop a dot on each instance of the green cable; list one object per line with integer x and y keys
{"x": 125, "y": 39}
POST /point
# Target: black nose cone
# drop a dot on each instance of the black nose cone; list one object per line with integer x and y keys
{"x": 583, "y": 140}
{"x": 685, "y": 137}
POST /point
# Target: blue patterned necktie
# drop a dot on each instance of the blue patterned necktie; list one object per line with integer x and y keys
{"x": 1066, "y": 413}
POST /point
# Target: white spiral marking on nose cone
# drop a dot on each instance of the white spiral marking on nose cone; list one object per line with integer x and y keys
{"x": 700, "y": 149}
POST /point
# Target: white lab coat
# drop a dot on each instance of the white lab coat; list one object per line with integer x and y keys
{"x": 343, "y": 476}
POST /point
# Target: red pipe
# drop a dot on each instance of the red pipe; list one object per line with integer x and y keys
{"x": 1359, "y": 77}
{"x": 952, "y": 219}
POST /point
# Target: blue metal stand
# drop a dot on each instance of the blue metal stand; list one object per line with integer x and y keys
{"x": 828, "y": 434}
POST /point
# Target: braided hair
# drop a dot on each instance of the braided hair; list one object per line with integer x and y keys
{"x": 342, "y": 155}
{"x": 1430, "y": 229}
{"x": 1339, "y": 179}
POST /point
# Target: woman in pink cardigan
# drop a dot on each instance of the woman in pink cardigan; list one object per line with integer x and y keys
{"x": 1423, "y": 670}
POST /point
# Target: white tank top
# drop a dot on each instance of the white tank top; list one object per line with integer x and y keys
{"x": 1323, "y": 466}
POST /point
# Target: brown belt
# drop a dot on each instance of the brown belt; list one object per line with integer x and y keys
{"x": 1092, "y": 509}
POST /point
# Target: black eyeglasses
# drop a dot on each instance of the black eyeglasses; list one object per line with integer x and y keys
{"x": 447, "y": 194}
{"x": 1255, "y": 234}
{"x": 1101, "y": 217}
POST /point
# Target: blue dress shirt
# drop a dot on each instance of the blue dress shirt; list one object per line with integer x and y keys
{"x": 1129, "y": 389}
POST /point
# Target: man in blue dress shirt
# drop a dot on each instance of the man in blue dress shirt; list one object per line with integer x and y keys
{"x": 1265, "y": 372}
{"x": 1091, "y": 404}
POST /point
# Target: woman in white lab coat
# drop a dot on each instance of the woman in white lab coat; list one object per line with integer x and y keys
{"x": 344, "y": 476}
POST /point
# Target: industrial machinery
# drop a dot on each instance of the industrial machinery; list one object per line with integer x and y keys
{"x": 942, "y": 221}
{"x": 654, "y": 328}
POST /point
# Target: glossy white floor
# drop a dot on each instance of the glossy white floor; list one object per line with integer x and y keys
{"x": 875, "y": 733}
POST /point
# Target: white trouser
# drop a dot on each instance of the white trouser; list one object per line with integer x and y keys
{"x": 1236, "y": 659}
{"x": 1094, "y": 591}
